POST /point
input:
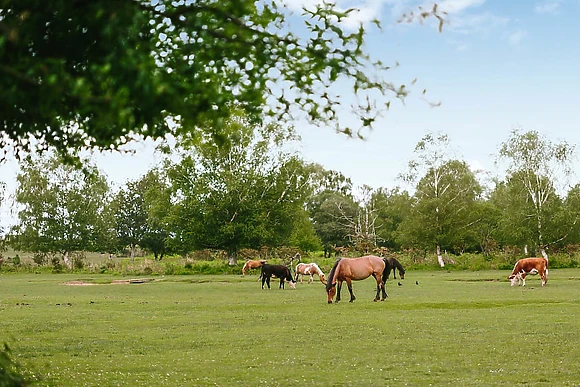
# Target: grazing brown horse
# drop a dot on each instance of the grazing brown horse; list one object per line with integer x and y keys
{"x": 355, "y": 269}
{"x": 395, "y": 264}
{"x": 249, "y": 265}
{"x": 309, "y": 269}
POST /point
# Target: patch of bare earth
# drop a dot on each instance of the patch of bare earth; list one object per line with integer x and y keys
{"x": 78, "y": 283}
{"x": 115, "y": 282}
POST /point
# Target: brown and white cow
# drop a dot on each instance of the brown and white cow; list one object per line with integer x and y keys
{"x": 527, "y": 266}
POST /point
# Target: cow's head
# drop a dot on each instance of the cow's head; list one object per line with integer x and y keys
{"x": 514, "y": 279}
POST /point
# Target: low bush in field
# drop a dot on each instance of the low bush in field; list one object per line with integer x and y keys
{"x": 177, "y": 265}
{"x": 11, "y": 373}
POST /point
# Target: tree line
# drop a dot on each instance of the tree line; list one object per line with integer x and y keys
{"x": 251, "y": 192}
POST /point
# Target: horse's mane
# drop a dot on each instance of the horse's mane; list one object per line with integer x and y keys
{"x": 331, "y": 275}
{"x": 318, "y": 271}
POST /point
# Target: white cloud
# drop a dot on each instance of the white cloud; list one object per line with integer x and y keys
{"x": 548, "y": 6}
{"x": 516, "y": 37}
{"x": 364, "y": 12}
{"x": 457, "y": 6}
{"x": 476, "y": 23}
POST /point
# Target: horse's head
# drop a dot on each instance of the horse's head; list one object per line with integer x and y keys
{"x": 402, "y": 274}
{"x": 322, "y": 278}
{"x": 292, "y": 284}
{"x": 331, "y": 292}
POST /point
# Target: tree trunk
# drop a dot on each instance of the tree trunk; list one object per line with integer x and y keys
{"x": 66, "y": 260}
{"x": 439, "y": 256}
{"x": 232, "y": 258}
{"x": 544, "y": 254}
{"x": 132, "y": 253}
{"x": 526, "y": 250}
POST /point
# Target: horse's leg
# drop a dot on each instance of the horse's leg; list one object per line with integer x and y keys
{"x": 379, "y": 283}
{"x": 338, "y": 288}
{"x": 380, "y": 288}
{"x": 311, "y": 279}
{"x": 349, "y": 285}
{"x": 268, "y": 281}
{"x": 384, "y": 289}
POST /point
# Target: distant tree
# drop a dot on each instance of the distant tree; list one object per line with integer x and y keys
{"x": 570, "y": 216}
{"x": 97, "y": 74}
{"x": 304, "y": 236}
{"x": 157, "y": 201}
{"x": 245, "y": 193}
{"x": 445, "y": 195}
{"x": 108, "y": 240}
{"x": 326, "y": 186}
{"x": 393, "y": 206}
{"x": 61, "y": 207}
{"x": 130, "y": 215}
{"x": 329, "y": 212}
{"x": 362, "y": 231}
{"x": 535, "y": 168}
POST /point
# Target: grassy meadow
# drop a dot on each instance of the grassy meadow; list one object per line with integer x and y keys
{"x": 458, "y": 327}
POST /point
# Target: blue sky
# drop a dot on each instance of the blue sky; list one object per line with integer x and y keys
{"x": 497, "y": 65}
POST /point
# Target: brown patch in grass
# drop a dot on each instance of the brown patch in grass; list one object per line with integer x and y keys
{"x": 78, "y": 283}
{"x": 115, "y": 282}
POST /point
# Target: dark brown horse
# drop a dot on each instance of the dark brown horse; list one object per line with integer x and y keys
{"x": 395, "y": 264}
{"x": 278, "y": 271}
{"x": 356, "y": 269}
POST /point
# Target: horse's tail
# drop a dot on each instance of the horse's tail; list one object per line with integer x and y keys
{"x": 331, "y": 275}
{"x": 386, "y": 270}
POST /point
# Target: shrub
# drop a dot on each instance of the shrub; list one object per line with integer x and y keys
{"x": 11, "y": 373}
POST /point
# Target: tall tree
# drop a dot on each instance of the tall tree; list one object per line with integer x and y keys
{"x": 393, "y": 206}
{"x": 61, "y": 207}
{"x": 130, "y": 215}
{"x": 329, "y": 212}
{"x": 159, "y": 208}
{"x": 445, "y": 195}
{"x": 96, "y": 74}
{"x": 330, "y": 191}
{"x": 245, "y": 193}
{"x": 537, "y": 166}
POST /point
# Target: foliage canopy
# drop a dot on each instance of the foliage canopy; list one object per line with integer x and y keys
{"x": 98, "y": 74}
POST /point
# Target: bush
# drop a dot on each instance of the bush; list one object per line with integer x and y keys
{"x": 11, "y": 373}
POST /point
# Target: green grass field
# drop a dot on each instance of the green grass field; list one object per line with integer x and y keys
{"x": 460, "y": 328}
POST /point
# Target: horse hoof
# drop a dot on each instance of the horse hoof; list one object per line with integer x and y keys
{"x": 375, "y": 300}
